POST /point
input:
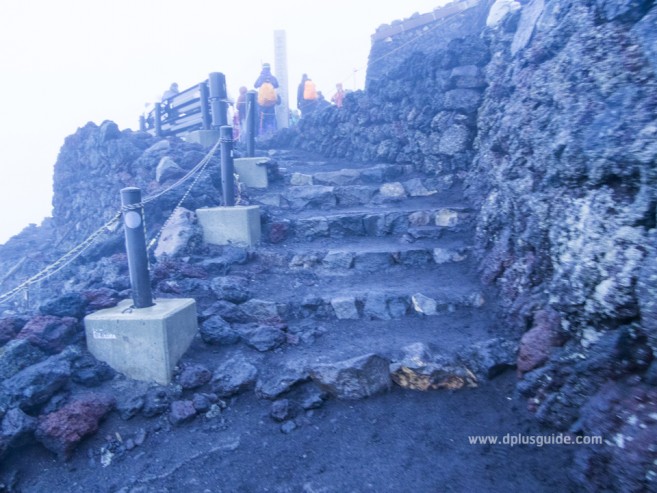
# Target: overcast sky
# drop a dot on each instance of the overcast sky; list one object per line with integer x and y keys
{"x": 64, "y": 63}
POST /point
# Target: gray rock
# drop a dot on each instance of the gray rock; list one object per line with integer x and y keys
{"x": 398, "y": 306}
{"x": 454, "y": 140}
{"x": 36, "y": 384}
{"x": 392, "y": 191}
{"x": 17, "y": 429}
{"x": 280, "y": 381}
{"x": 424, "y": 305}
{"x": 167, "y": 169}
{"x": 345, "y": 307}
{"x": 282, "y": 410}
{"x": 415, "y": 188}
{"x": 182, "y": 412}
{"x": 354, "y": 378}
{"x": 156, "y": 402}
{"x": 299, "y": 179}
{"x": 215, "y": 330}
{"x": 261, "y": 337}
{"x": 466, "y": 100}
{"x": 310, "y": 196}
{"x": 288, "y": 427}
{"x": 231, "y": 288}
{"x": 354, "y": 195}
{"x": 128, "y": 407}
{"x": 421, "y": 369}
{"x": 338, "y": 260}
{"x": 260, "y": 310}
{"x": 373, "y": 261}
{"x": 416, "y": 257}
{"x": 17, "y": 355}
{"x": 376, "y": 306}
{"x": 341, "y": 177}
{"x": 193, "y": 376}
{"x": 177, "y": 233}
{"x": 234, "y": 376}
{"x": 312, "y": 228}
{"x": 490, "y": 358}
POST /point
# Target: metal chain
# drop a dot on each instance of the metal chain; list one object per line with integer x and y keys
{"x": 63, "y": 261}
{"x": 76, "y": 251}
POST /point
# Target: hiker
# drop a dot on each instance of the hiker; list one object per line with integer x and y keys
{"x": 171, "y": 113}
{"x": 267, "y": 100}
{"x": 321, "y": 101}
{"x": 240, "y": 106}
{"x": 338, "y": 97}
{"x": 171, "y": 92}
{"x": 306, "y": 96}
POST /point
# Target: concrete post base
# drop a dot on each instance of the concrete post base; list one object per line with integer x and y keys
{"x": 236, "y": 225}
{"x": 252, "y": 171}
{"x": 207, "y": 138}
{"x": 143, "y": 343}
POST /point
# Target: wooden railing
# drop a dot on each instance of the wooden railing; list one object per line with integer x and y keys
{"x": 202, "y": 106}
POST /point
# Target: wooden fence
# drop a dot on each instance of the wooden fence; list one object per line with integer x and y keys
{"x": 202, "y": 106}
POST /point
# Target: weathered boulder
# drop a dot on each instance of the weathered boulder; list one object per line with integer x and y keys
{"x": 234, "y": 376}
{"x": 179, "y": 230}
{"x": 261, "y": 337}
{"x": 231, "y": 288}
{"x": 182, "y": 412}
{"x": 9, "y": 327}
{"x": 215, "y": 330}
{"x": 193, "y": 376}
{"x": 69, "y": 305}
{"x": 36, "y": 384}
{"x": 421, "y": 369}
{"x": 62, "y": 430}
{"x": 50, "y": 333}
{"x": 17, "y": 355}
{"x": 355, "y": 378}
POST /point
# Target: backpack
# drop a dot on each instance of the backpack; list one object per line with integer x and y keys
{"x": 267, "y": 94}
{"x": 309, "y": 91}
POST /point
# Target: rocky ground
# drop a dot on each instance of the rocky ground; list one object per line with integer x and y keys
{"x": 354, "y": 350}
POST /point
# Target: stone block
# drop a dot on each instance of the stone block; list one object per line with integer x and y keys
{"x": 207, "y": 138}
{"x": 252, "y": 171}
{"x": 238, "y": 225}
{"x": 145, "y": 343}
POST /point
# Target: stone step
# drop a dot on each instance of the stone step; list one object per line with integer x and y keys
{"x": 385, "y": 220}
{"x": 361, "y": 254}
{"x": 384, "y": 294}
{"x": 346, "y": 176}
{"x": 314, "y": 196}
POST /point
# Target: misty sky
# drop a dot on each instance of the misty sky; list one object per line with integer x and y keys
{"x": 64, "y": 63}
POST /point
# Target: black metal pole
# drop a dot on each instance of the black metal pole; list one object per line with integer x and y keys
{"x": 205, "y": 105}
{"x": 218, "y": 99}
{"x": 135, "y": 244}
{"x": 158, "y": 119}
{"x": 251, "y": 112}
{"x": 227, "y": 178}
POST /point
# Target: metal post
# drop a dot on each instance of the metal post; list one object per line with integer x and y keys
{"x": 251, "y": 112}
{"x": 218, "y": 97}
{"x": 205, "y": 105}
{"x": 227, "y": 178}
{"x": 142, "y": 123}
{"x": 158, "y": 119}
{"x": 135, "y": 244}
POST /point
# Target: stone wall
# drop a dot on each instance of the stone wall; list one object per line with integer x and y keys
{"x": 550, "y": 114}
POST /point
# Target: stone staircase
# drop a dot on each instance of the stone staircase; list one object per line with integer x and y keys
{"x": 359, "y": 265}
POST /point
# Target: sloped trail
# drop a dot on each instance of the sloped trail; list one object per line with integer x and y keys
{"x": 355, "y": 260}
